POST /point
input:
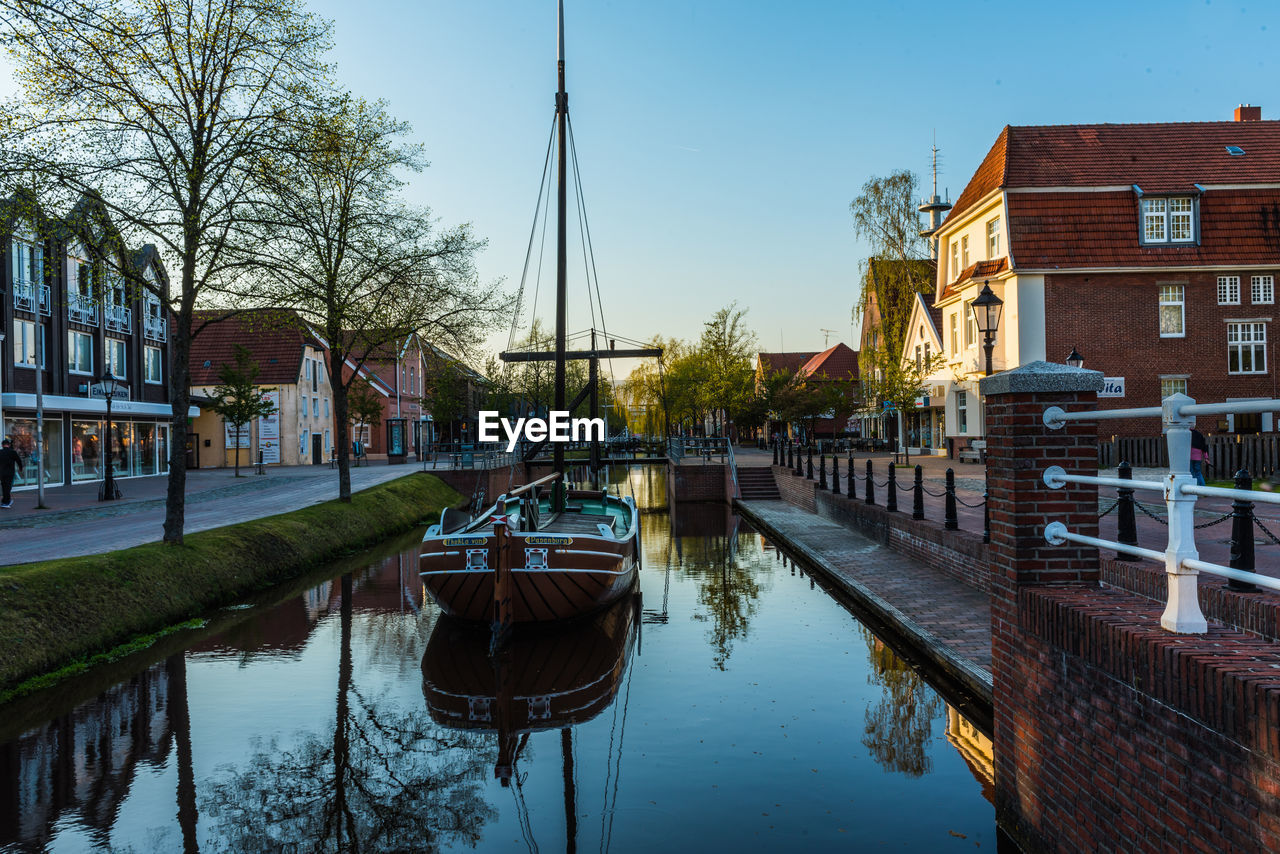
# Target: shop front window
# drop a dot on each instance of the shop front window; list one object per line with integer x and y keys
{"x": 121, "y": 447}
{"x": 23, "y": 433}
{"x": 162, "y": 448}
{"x": 86, "y": 450}
{"x": 144, "y": 450}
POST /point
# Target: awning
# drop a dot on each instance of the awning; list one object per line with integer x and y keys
{"x": 88, "y": 406}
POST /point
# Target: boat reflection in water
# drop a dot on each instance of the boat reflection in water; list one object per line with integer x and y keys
{"x": 545, "y": 679}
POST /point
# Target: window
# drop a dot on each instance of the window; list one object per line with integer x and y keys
{"x": 115, "y": 358}
{"x": 1172, "y": 385}
{"x": 919, "y": 362}
{"x": 926, "y": 353}
{"x": 315, "y": 376}
{"x": 315, "y": 407}
{"x": 962, "y": 411}
{"x": 1247, "y": 347}
{"x": 1262, "y": 290}
{"x": 152, "y": 365}
{"x": 955, "y": 260}
{"x": 1228, "y": 290}
{"x": 955, "y": 335}
{"x": 993, "y": 238}
{"x": 79, "y": 353}
{"x": 24, "y": 344}
{"x": 964, "y": 252}
{"x": 28, "y": 273}
{"x": 302, "y": 443}
{"x": 1172, "y": 318}
{"x": 1168, "y": 220}
{"x": 326, "y": 441}
{"x": 326, "y": 407}
{"x": 970, "y": 325}
{"x": 305, "y": 410}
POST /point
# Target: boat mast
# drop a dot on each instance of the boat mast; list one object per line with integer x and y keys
{"x": 562, "y": 115}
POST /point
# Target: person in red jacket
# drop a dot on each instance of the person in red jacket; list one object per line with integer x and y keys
{"x": 9, "y": 460}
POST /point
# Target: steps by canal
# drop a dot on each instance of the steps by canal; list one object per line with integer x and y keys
{"x": 944, "y": 621}
{"x": 756, "y": 483}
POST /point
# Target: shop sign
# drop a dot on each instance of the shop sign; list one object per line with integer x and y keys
{"x": 1112, "y": 387}
{"x": 269, "y": 429}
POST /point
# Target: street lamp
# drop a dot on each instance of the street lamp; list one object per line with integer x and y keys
{"x": 1075, "y": 360}
{"x": 986, "y": 311}
{"x": 108, "y": 491}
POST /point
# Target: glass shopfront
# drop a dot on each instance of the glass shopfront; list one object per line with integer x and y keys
{"x": 23, "y": 433}
{"x": 86, "y": 450}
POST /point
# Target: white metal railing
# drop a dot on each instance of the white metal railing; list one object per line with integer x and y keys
{"x": 118, "y": 318}
{"x": 82, "y": 309}
{"x": 28, "y": 297}
{"x": 155, "y": 328}
{"x": 1181, "y": 559}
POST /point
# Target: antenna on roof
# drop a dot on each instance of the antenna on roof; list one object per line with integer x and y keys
{"x": 933, "y": 206}
{"x": 826, "y": 336}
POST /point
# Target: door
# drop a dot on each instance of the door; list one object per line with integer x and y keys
{"x": 193, "y": 450}
{"x": 317, "y": 449}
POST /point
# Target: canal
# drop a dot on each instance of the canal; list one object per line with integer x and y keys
{"x": 734, "y": 705}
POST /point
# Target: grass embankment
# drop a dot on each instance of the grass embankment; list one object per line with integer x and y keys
{"x": 55, "y": 615}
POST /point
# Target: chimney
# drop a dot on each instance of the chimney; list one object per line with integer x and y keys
{"x": 1248, "y": 113}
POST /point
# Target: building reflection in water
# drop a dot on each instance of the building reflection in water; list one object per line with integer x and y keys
{"x": 976, "y": 749}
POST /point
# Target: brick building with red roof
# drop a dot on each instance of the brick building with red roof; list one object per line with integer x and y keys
{"x": 838, "y": 363}
{"x": 292, "y": 362}
{"x": 1150, "y": 248}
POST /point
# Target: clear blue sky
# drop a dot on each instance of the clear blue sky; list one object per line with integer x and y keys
{"x": 721, "y": 141}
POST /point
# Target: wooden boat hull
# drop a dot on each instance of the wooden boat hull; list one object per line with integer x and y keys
{"x": 552, "y": 576}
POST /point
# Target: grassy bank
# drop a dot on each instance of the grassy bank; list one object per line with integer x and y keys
{"x": 59, "y": 612}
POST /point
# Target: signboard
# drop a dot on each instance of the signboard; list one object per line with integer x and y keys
{"x": 98, "y": 392}
{"x": 269, "y": 429}
{"x": 230, "y": 430}
{"x": 922, "y": 401}
{"x": 1112, "y": 387}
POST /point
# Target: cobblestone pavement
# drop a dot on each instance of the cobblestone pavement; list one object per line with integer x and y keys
{"x": 77, "y": 524}
{"x": 948, "y": 619}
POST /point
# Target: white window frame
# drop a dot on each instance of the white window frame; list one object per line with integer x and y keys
{"x": 111, "y": 348}
{"x": 970, "y": 326}
{"x": 1172, "y": 295}
{"x": 1247, "y": 338}
{"x": 315, "y": 407}
{"x": 993, "y": 238}
{"x": 955, "y": 260}
{"x": 1262, "y": 290}
{"x": 1228, "y": 290}
{"x": 151, "y": 377}
{"x": 962, "y": 412}
{"x": 326, "y": 407}
{"x": 72, "y": 350}
{"x": 26, "y": 341}
{"x": 955, "y": 332}
{"x": 1166, "y": 220}
{"x": 306, "y": 409}
{"x": 964, "y": 252}
{"x": 1173, "y": 384}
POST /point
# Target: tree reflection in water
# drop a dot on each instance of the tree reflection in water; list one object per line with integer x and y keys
{"x": 898, "y": 728}
{"x": 386, "y": 780}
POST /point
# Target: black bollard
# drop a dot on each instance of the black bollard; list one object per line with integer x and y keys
{"x": 799, "y": 461}
{"x": 775, "y": 453}
{"x": 871, "y": 485}
{"x": 809, "y": 476}
{"x": 790, "y": 462}
{"x": 822, "y": 471}
{"x": 891, "y": 492}
{"x": 835, "y": 475}
{"x": 1126, "y": 521}
{"x": 852, "y": 491}
{"x": 917, "y": 504}
{"x": 986, "y": 517}
{"x": 1242, "y": 534}
{"x": 949, "y": 520}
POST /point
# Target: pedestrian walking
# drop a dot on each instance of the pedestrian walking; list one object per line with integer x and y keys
{"x": 9, "y": 460}
{"x": 1199, "y": 454}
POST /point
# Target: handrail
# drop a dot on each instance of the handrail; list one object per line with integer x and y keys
{"x": 733, "y": 467}
{"x": 1055, "y": 416}
{"x": 1235, "y": 494}
{"x": 1055, "y": 477}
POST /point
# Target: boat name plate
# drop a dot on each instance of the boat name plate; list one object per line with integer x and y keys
{"x": 549, "y": 540}
{"x": 466, "y": 541}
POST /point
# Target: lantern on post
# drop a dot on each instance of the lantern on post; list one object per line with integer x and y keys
{"x": 986, "y": 312}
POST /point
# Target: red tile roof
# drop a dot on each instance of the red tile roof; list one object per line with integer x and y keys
{"x": 837, "y": 362}
{"x": 275, "y": 338}
{"x": 935, "y": 314}
{"x": 1157, "y": 157}
{"x": 980, "y": 270}
{"x": 791, "y": 362}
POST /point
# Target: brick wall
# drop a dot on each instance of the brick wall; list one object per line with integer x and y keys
{"x": 795, "y": 489}
{"x": 702, "y": 482}
{"x": 1127, "y": 341}
{"x": 1110, "y": 733}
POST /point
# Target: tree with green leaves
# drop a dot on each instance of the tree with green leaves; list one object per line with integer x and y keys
{"x": 901, "y": 383}
{"x": 726, "y": 350}
{"x": 364, "y": 405}
{"x": 158, "y": 110}
{"x": 238, "y": 398}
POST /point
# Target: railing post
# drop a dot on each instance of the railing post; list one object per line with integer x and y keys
{"x": 809, "y": 476}
{"x": 799, "y": 461}
{"x": 822, "y": 471}
{"x": 775, "y": 452}
{"x": 1242, "y": 534}
{"x": 917, "y": 504}
{"x": 986, "y": 516}
{"x": 852, "y": 491}
{"x": 1182, "y": 612}
{"x": 891, "y": 492}
{"x": 835, "y": 475}
{"x": 949, "y": 519}
{"x": 871, "y": 485}
{"x": 790, "y": 462}
{"x": 1126, "y": 522}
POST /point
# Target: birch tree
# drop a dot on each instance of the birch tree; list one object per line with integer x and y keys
{"x": 159, "y": 109}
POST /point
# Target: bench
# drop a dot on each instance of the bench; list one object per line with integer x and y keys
{"x": 974, "y": 453}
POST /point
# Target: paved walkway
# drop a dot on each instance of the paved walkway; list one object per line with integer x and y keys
{"x": 945, "y": 619}
{"x": 76, "y": 523}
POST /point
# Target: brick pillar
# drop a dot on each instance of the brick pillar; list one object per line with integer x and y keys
{"x": 1019, "y": 449}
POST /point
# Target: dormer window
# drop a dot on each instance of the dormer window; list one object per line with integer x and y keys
{"x": 1169, "y": 219}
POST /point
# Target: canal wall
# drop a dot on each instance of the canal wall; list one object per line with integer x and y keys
{"x": 1110, "y": 733}
{"x": 698, "y": 481}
